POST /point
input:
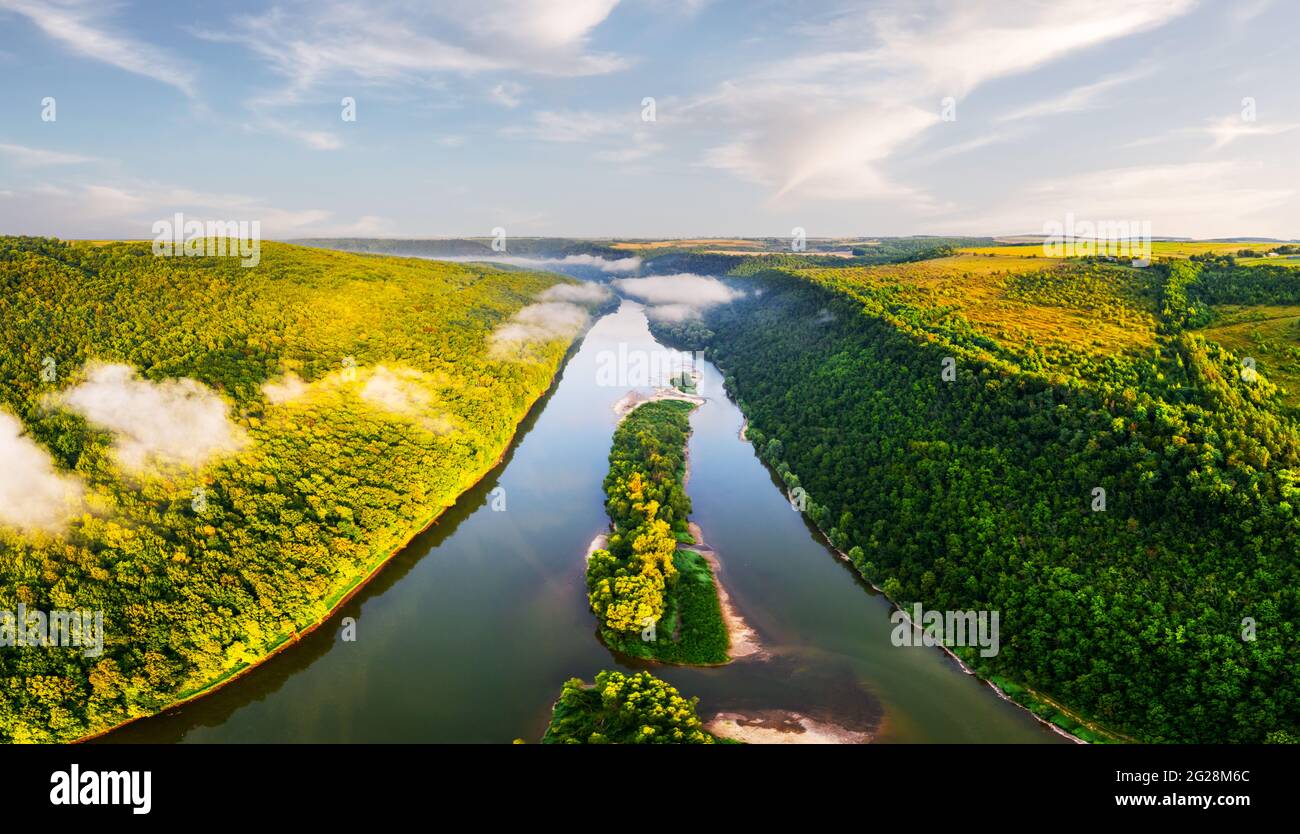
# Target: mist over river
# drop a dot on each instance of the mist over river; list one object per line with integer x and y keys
{"x": 468, "y": 634}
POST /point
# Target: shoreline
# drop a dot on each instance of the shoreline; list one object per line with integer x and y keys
{"x": 961, "y": 664}
{"x": 825, "y": 540}
{"x": 776, "y": 726}
{"x": 350, "y": 592}
{"x": 742, "y": 639}
{"x": 633, "y": 400}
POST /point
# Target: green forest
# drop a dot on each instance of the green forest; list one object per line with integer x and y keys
{"x": 624, "y": 709}
{"x": 653, "y": 600}
{"x": 361, "y": 395}
{"x": 966, "y": 435}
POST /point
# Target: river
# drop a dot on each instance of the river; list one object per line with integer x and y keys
{"x": 469, "y": 633}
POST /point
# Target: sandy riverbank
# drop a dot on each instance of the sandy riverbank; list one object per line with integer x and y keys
{"x": 629, "y": 402}
{"x": 743, "y": 639}
{"x": 781, "y": 727}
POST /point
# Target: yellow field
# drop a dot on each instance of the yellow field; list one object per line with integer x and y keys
{"x": 1006, "y": 250}
{"x": 1187, "y": 248}
{"x": 1018, "y": 299}
{"x": 733, "y": 243}
{"x": 1292, "y": 261}
{"x": 1159, "y": 249}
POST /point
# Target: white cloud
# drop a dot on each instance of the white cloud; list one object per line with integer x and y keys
{"x": 33, "y": 494}
{"x": 822, "y": 123}
{"x": 80, "y": 25}
{"x": 318, "y": 140}
{"x": 677, "y": 297}
{"x": 396, "y": 389}
{"x": 128, "y": 211}
{"x": 507, "y": 94}
{"x": 1205, "y": 199}
{"x": 1228, "y": 129}
{"x": 584, "y": 293}
{"x": 575, "y": 126}
{"x": 624, "y": 137}
{"x": 329, "y": 41}
{"x": 536, "y": 324}
{"x": 972, "y": 144}
{"x": 287, "y": 389}
{"x": 1076, "y": 100}
{"x": 177, "y": 422}
{"x": 976, "y": 42}
{"x": 399, "y": 390}
{"x": 393, "y": 43}
{"x": 26, "y": 157}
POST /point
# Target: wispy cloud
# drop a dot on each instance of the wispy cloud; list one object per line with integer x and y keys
{"x": 822, "y": 122}
{"x": 82, "y": 27}
{"x": 128, "y": 211}
{"x": 1209, "y": 199}
{"x": 1086, "y": 97}
{"x": 507, "y": 94}
{"x": 320, "y": 140}
{"x": 26, "y": 157}
{"x": 1228, "y": 129}
{"x": 33, "y": 494}
{"x": 619, "y": 137}
{"x": 312, "y": 43}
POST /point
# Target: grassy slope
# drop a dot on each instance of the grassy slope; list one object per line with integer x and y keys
{"x": 1270, "y": 335}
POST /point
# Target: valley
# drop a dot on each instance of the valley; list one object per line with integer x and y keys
{"x": 934, "y": 430}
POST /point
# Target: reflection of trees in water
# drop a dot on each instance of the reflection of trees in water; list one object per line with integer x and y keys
{"x": 269, "y": 677}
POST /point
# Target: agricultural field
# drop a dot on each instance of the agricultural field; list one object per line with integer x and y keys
{"x": 1159, "y": 249}
{"x": 1023, "y": 304}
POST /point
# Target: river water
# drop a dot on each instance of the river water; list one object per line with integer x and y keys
{"x": 469, "y": 633}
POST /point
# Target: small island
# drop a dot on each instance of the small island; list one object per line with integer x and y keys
{"x": 625, "y": 709}
{"x": 654, "y": 599}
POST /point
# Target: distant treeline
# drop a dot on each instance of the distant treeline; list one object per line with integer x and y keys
{"x": 521, "y": 247}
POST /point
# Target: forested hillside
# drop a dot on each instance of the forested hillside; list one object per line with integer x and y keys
{"x": 214, "y": 456}
{"x": 1121, "y": 489}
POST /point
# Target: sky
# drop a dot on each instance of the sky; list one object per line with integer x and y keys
{"x": 649, "y": 118}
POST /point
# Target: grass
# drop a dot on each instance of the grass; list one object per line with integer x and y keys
{"x": 1057, "y": 715}
{"x": 1159, "y": 248}
{"x": 1021, "y": 298}
{"x": 1269, "y": 335}
{"x": 1292, "y": 261}
{"x": 691, "y": 631}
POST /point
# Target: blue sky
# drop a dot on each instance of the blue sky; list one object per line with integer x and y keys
{"x": 528, "y": 115}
